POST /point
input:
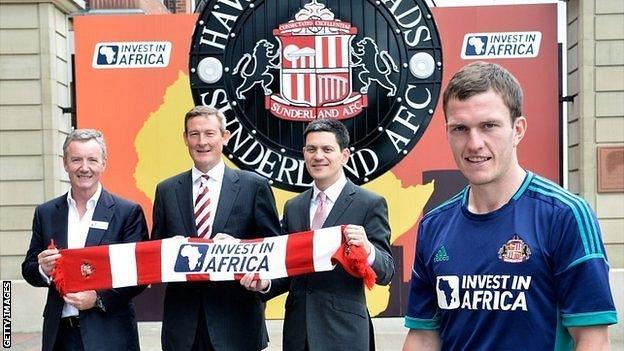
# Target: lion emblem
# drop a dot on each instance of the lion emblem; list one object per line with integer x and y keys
{"x": 254, "y": 68}
{"x": 377, "y": 69}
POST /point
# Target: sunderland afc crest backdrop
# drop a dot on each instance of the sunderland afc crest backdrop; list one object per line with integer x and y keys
{"x": 140, "y": 109}
{"x": 272, "y": 66}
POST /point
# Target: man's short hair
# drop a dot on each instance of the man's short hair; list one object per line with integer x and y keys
{"x": 329, "y": 125}
{"x": 205, "y": 111}
{"x": 85, "y": 135}
{"x": 479, "y": 77}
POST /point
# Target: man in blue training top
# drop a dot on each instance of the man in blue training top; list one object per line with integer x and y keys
{"x": 513, "y": 262}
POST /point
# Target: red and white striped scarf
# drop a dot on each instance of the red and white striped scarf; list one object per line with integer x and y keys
{"x": 181, "y": 259}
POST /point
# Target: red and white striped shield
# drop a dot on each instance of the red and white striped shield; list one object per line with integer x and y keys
{"x": 315, "y": 68}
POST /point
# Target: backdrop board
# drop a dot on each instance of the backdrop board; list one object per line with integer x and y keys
{"x": 378, "y": 67}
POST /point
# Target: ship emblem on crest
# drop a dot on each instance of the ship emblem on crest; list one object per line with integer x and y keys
{"x": 315, "y": 58}
{"x": 515, "y": 250}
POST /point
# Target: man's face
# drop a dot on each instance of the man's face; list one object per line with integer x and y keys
{"x": 482, "y": 137}
{"x": 324, "y": 158}
{"x": 205, "y": 141}
{"x": 84, "y": 163}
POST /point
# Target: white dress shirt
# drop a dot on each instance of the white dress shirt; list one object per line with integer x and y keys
{"x": 77, "y": 231}
{"x": 331, "y": 195}
{"x": 215, "y": 180}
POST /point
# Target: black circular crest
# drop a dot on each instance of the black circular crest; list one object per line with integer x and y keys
{"x": 272, "y": 66}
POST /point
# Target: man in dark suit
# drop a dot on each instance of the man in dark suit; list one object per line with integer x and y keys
{"x": 87, "y": 215}
{"x": 212, "y": 201}
{"x": 327, "y": 311}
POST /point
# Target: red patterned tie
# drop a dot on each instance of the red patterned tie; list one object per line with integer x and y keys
{"x": 321, "y": 211}
{"x": 202, "y": 213}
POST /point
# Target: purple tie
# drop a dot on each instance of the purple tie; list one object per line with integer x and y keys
{"x": 321, "y": 211}
{"x": 202, "y": 212}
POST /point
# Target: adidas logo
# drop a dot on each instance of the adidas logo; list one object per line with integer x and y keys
{"x": 441, "y": 255}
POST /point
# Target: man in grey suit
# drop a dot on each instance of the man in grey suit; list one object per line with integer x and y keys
{"x": 209, "y": 201}
{"x": 327, "y": 311}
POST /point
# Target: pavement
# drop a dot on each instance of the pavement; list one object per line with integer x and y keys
{"x": 389, "y": 335}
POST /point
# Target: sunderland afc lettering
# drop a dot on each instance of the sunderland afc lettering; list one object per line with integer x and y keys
{"x": 272, "y": 67}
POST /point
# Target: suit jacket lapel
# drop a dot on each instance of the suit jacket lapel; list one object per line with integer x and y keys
{"x": 229, "y": 191}
{"x": 184, "y": 198}
{"x": 60, "y": 231}
{"x": 342, "y": 204}
{"x": 304, "y": 209}
{"x": 103, "y": 212}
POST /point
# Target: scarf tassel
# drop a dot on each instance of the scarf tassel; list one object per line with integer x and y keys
{"x": 354, "y": 260}
{"x": 58, "y": 276}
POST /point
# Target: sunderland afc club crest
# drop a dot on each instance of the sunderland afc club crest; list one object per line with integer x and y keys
{"x": 272, "y": 66}
{"x": 86, "y": 269}
{"x": 515, "y": 250}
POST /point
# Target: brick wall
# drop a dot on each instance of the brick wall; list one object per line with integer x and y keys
{"x": 180, "y": 6}
{"x": 148, "y": 6}
{"x": 34, "y": 85}
{"x": 595, "y": 56}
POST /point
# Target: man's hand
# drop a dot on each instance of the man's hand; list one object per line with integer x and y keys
{"x": 82, "y": 300}
{"x": 356, "y": 235}
{"x": 422, "y": 340}
{"x": 590, "y": 338}
{"x": 223, "y": 237}
{"x": 47, "y": 260}
{"x": 252, "y": 284}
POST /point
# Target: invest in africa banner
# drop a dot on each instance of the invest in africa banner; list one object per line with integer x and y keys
{"x": 272, "y": 66}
